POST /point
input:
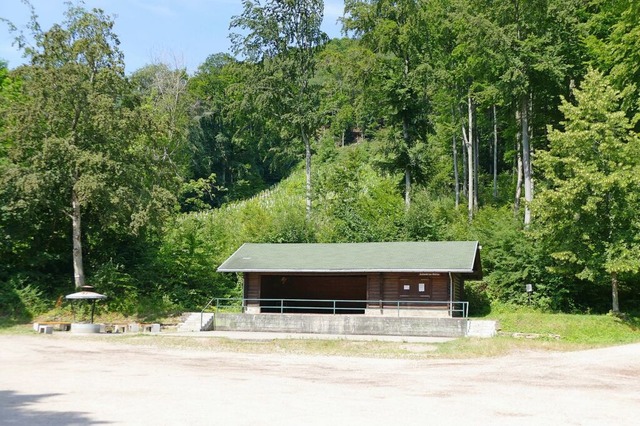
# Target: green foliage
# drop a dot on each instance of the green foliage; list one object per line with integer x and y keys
{"x": 343, "y": 74}
{"x": 183, "y": 267}
{"x": 356, "y": 203}
{"x": 511, "y": 260}
{"x": 165, "y": 101}
{"x": 587, "y": 211}
{"x": 80, "y": 150}
{"x": 475, "y": 292}
{"x": 21, "y": 300}
{"x": 119, "y": 286}
{"x": 229, "y": 135}
{"x": 197, "y": 194}
{"x": 399, "y": 34}
{"x": 282, "y": 39}
{"x": 430, "y": 218}
{"x": 612, "y": 41}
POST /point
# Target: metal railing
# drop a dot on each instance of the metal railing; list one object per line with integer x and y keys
{"x": 332, "y": 306}
{"x": 204, "y": 310}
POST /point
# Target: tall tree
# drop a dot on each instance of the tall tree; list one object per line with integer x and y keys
{"x": 283, "y": 39}
{"x": 77, "y": 150}
{"x": 399, "y": 32}
{"x": 543, "y": 50}
{"x": 588, "y": 207}
{"x": 614, "y": 31}
{"x": 162, "y": 88}
{"x": 470, "y": 68}
{"x": 345, "y": 71}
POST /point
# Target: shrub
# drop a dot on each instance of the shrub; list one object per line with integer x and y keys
{"x": 20, "y": 299}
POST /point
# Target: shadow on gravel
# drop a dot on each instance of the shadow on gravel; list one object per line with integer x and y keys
{"x": 18, "y": 409}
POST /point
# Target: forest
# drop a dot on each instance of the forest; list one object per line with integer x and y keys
{"x": 510, "y": 122}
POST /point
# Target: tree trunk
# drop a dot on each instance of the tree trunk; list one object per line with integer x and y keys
{"x": 78, "y": 268}
{"x": 307, "y": 158}
{"x": 516, "y": 203}
{"x": 468, "y": 141}
{"x": 465, "y": 191}
{"x": 407, "y": 171}
{"x": 407, "y": 141}
{"x": 455, "y": 169}
{"x": 526, "y": 160}
{"x": 407, "y": 186}
{"x": 614, "y": 293}
{"x": 476, "y": 167}
{"x": 495, "y": 154}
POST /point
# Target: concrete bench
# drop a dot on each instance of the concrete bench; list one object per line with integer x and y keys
{"x": 150, "y": 327}
{"x": 116, "y": 328}
{"x": 45, "y": 329}
{"x": 135, "y": 327}
{"x": 58, "y": 325}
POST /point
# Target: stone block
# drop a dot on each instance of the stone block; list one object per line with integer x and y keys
{"x": 45, "y": 329}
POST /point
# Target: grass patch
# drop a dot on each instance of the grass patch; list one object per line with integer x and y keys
{"x": 13, "y": 327}
{"x": 587, "y": 330}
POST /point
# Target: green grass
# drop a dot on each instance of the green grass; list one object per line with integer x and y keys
{"x": 592, "y": 330}
{"x": 525, "y": 329}
{"x": 11, "y": 327}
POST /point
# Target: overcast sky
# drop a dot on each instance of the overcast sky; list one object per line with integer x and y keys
{"x": 180, "y": 32}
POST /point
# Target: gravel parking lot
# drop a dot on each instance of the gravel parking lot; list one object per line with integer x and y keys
{"x": 62, "y": 379}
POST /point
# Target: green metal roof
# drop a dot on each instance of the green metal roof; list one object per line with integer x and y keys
{"x": 443, "y": 256}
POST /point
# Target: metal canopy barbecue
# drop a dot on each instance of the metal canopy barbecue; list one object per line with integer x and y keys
{"x": 87, "y": 294}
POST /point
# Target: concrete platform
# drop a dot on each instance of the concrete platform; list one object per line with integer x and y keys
{"x": 341, "y": 325}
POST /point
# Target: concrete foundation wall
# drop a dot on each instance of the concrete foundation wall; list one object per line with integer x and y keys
{"x": 422, "y": 313}
{"x": 342, "y": 324}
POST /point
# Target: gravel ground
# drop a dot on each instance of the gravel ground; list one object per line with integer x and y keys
{"x": 62, "y": 379}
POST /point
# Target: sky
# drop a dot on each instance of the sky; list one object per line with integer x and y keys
{"x": 181, "y": 33}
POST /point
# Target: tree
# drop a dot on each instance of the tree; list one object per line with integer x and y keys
{"x": 214, "y": 130}
{"x": 283, "y": 39}
{"x": 544, "y": 56}
{"x": 80, "y": 151}
{"x": 399, "y": 33}
{"x": 162, "y": 89}
{"x": 345, "y": 71}
{"x": 588, "y": 207}
{"x": 236, "y": 139}
{"x": 614, "y": 31}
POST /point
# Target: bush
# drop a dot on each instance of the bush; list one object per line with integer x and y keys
{"x": 512, "y": 259}
{"x": 475, "y": 292}
{"x": 120, "y": 288}
{"x": 11, "y": 305}
{"x": 21, "y": 300}
{"x": 355, "y": 203}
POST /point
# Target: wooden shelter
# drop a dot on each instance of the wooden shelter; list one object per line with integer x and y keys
{"x": 415, "y": 278}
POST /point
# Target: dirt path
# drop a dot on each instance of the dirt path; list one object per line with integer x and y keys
{"x": 63, "y": 380}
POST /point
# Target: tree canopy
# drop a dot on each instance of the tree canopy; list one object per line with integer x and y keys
{"x": 588, "y": 207}
{"x": 79, "y": 148}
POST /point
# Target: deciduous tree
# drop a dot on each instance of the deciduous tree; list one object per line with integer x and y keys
{"x": 80, "y": 153}
{"x": 399, "y": 32}
{"x": 588, "y": 208}
{"x": 283, "y": 39}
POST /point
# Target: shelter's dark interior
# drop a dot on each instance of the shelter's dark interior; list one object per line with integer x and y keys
{"x": 326, "y": 288}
